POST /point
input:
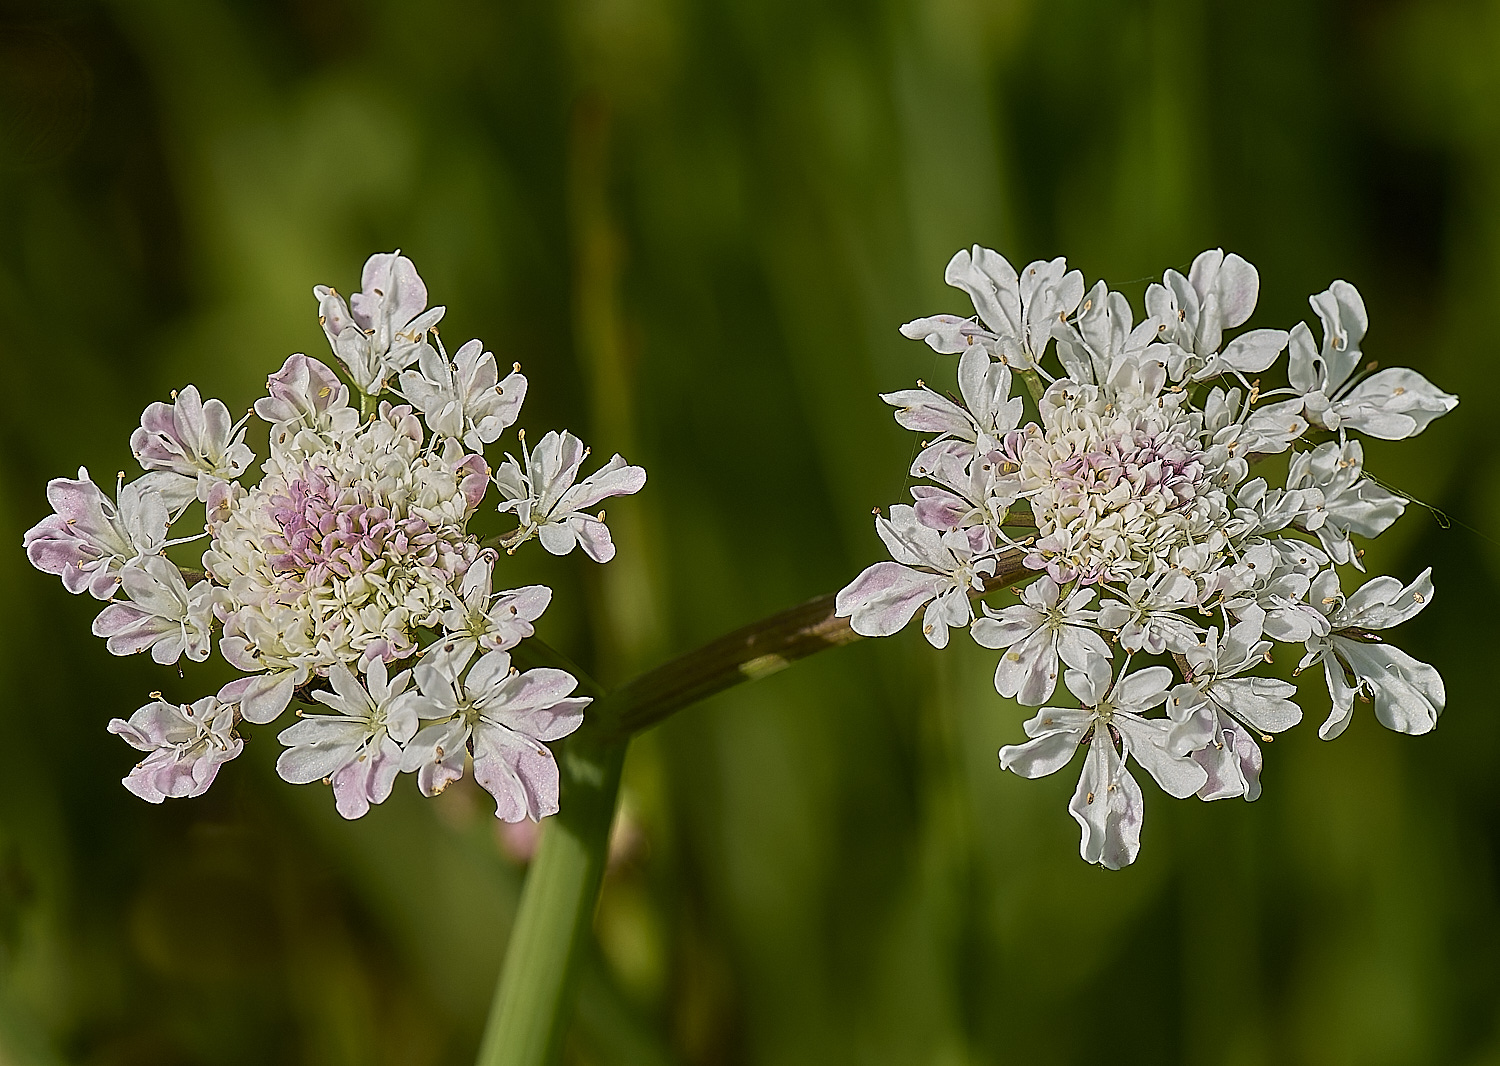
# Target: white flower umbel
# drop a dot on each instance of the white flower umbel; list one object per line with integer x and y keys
{"x": 350, "y": 556}
{"x": 1218, "y": 714}
{"x": 1392, "y": 404}
{"x": 1119, "y": 477}
{"x": 481, "y": 619}
{"x": 1019, "y": 310}
{"x": 1129, "y": 491}
{"x": 160, "y": 613}
{"x": 91, "y": 537}
{"x": 1351, "y": 503}
{"x": 382, "y": 329}
{"x": 1037, "y": 632}
{"x": 1408, "y": 694}
{"x": 1148, "y": 615}
{"x": 348, "y": 545}
{"x": 1268, "y": 586}
{"x": 932, "y": 568}
{"x": 191, "y": 446}
{"x": 987, "y": 412}
{"x": 465, "y": 399}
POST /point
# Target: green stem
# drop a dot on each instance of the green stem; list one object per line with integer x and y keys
{"x": 1033, "y": 382}
{"x": 533, "y": 1001}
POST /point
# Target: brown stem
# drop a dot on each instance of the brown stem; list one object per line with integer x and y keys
{"x": 753, "y": 652}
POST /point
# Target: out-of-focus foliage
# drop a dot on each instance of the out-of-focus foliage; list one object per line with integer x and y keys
{"x": 697, "y": 224}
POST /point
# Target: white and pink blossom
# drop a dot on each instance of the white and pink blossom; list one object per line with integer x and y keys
{"x": 1408, "y": 694}
{"x": 350, "y": 556}
{"x": 1107, "y": 805}
{"x": 187, "y": 744}
{"x": 159, "y": 613}
{"x": 91, "y": 537}
{"x": 358, "y": 750}
{"x": 381, "y": 330}
{"x": 1131, "y": 488}
{"x": 550, "y": 503}
{"x": 932, "y": 569}
{"x": 189, "y": 446}
{"x": 1038, "y": 633}
{"x": 464, "y": 399}
{"x": 502, "y": 718}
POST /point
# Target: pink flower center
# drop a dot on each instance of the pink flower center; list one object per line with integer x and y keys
{"x": 1105, "y": 506}
{"x": 328, "y": 529}
{"x": 1156, "y": 468}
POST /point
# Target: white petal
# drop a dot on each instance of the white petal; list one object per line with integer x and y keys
{"x": 1261, "y": 702}
{"x": 307, "y": 763}
{"x": 1255, "y": 351}
{"x": 1028, "y": 671}
{"x": 1409, "y": 694}
{"x": 1108, "y": 807}
{"x": 1044, "y": 755}
{"x": 1342, "y": 694}
{"x": 882, "y": 599}
{"x": 1143, "y": 689}
{"x": 1394, "y": 404}
{"x": 1146, "y": 741}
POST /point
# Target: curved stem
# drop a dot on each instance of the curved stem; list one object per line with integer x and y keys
{"x": 753, "y": 652}
{"x": 533, "y": 1002}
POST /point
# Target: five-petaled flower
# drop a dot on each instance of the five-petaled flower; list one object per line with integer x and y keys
{"x": 500, "y": 717}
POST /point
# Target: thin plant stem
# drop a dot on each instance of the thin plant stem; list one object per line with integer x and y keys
{"x": 533, "y": 1002}
{"x": 1034, "y": 384}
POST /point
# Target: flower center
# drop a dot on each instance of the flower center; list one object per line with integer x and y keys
{"x": 344, "y": 553}
{"x": 327, "y": 529}
{"x": 1115, "y": 485}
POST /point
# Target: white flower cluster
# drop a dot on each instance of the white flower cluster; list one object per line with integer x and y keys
{"x": 1131, "y": 496}
{"x": 350, "y": 554}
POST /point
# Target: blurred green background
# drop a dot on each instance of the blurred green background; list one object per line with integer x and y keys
{"x": 697, "y": 225}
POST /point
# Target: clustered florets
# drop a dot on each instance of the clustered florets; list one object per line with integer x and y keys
{"x": 350, "y": 554}
{"x": 1130, "y": 495}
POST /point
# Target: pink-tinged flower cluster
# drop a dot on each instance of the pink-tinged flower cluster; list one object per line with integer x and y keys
{"x": 1116, "y": 479}
{"x": 1130, "y": 494}
{"x": 350, "y": 556}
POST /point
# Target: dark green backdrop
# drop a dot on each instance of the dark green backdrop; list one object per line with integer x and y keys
{"x": 698, "y": 225}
